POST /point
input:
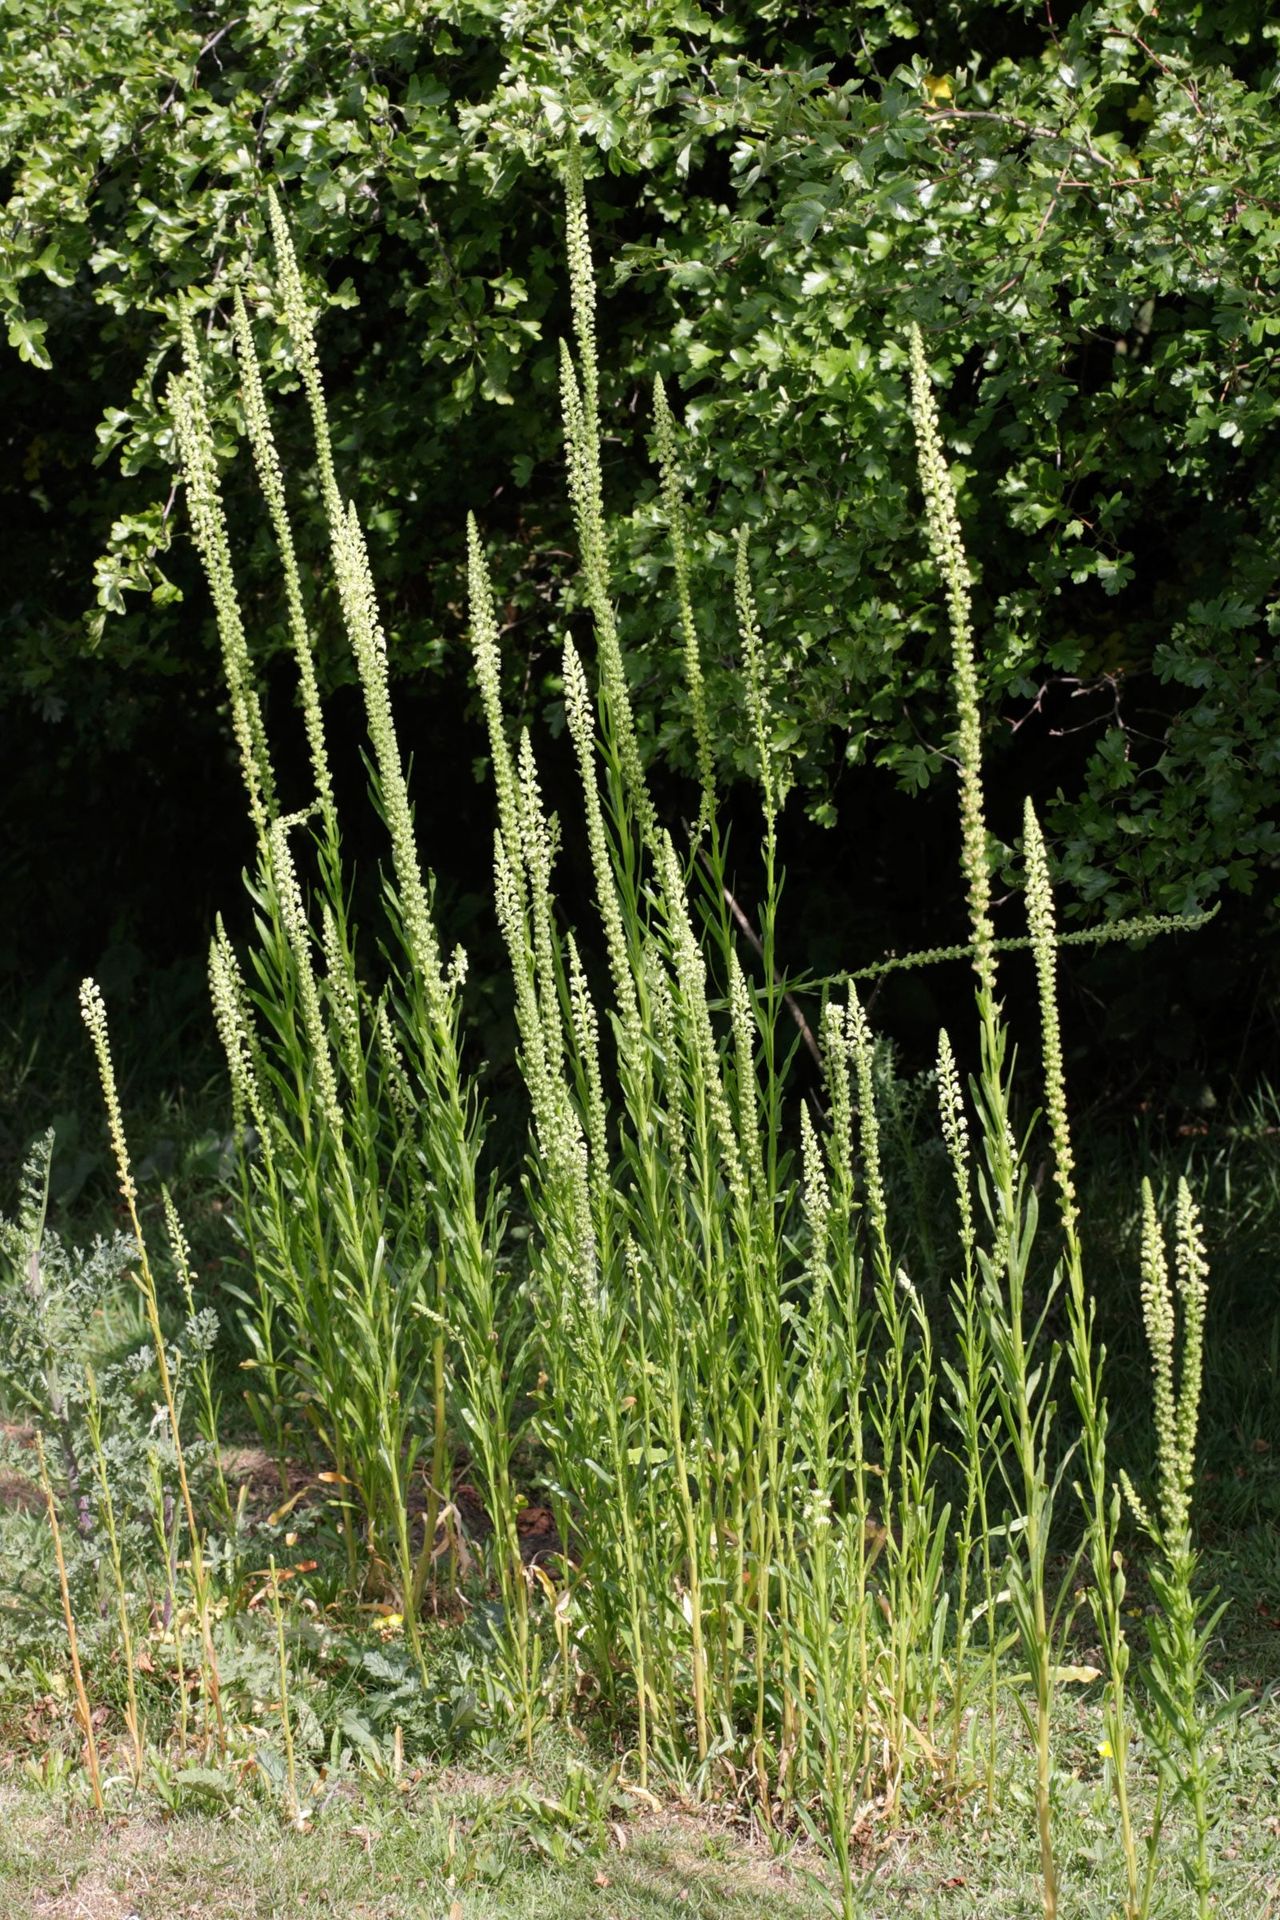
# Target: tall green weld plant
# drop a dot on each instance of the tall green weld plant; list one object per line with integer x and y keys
{"x": 806, "y": 1502}
{"x": 375, "y": 1305}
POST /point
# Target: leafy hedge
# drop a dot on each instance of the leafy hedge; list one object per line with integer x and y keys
{"x": 1081, "y": 209}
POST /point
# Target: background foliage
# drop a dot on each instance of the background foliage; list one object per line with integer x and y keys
{"x": 1080, "y": 206}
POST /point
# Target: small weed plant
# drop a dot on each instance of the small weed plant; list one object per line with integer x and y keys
{"x": 817, "y": 1516}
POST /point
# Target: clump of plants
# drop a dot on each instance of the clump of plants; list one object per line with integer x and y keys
{"x": 807, "y": 1502}
{"x": 49, "y": 1295}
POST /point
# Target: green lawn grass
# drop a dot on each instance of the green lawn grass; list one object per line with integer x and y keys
{"x": 362, "y": 1862}
{"x": 504, "y": 1843}
{"x": 468, "y": 1848}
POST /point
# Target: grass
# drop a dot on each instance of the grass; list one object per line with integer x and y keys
{"x": 454, "y": 1846}
{"x": 366, "y": 1863}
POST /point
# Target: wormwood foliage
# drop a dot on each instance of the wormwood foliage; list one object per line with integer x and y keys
{"x": 48, "y": 1292}
{"x": 805, "y": 1506}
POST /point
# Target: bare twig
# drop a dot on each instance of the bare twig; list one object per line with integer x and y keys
{"x": 1025, "y": 127}
{"x": 83, "y": 1711}
{"x": 753, "y": 940}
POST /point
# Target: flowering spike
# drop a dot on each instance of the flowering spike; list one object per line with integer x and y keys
{"x": 942, "y": 523}
{"x": 1041, "y": 920}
